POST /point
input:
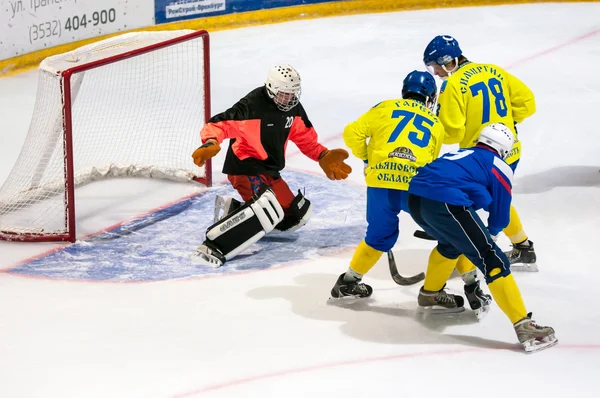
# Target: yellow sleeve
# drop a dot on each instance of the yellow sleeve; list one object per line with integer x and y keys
{"x": 439, "y": 140}
{"x": 452, "y": 113}
{"x": 521, "y": 99}
{"x": 355, "y": 137}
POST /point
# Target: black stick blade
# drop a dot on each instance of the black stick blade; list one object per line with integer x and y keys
{"x": 423, "y": 235}
{"x": 399, "y": 279}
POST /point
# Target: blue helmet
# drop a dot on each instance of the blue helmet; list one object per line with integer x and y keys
{"x": 441, "y": 50}
{"x": 421, "y": 83}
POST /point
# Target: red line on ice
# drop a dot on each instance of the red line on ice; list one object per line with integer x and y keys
{"x": 361, "y": 361}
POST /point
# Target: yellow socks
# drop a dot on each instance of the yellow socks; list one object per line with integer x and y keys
{"x": 439, "y": 270}
{"x": 364, "y": 258}
{"x": 464, "y": 265}
{"x": 507, "y": 295}
{"x": 467, "y": 270}
{"x": 514, "y": 229}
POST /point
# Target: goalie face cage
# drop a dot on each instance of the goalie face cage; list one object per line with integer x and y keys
{"x": 128, "y": 106}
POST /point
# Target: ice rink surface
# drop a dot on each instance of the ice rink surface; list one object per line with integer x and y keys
{"x": 75, "y": 323}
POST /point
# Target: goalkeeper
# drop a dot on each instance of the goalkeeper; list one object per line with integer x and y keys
{"x": 259, "y": 127}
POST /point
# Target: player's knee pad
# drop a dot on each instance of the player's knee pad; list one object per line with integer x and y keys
{"x": 240, "y": 229}
{"x": 378, "y": 241}
{"x": 298, "y": 215}
{"x": 496, "y": 273}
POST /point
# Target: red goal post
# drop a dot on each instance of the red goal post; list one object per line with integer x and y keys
{"x": 129, "y": 106}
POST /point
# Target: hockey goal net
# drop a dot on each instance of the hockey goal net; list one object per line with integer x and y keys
{"x": 128, "y": 106}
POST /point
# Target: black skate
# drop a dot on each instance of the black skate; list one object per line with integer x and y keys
{"x": 522, "y": 258}
{"x": 350, "y": 289}
{"x": 440, "y": 302}
{"x": 478, "y": 300}
{"x": 534, "y": 337}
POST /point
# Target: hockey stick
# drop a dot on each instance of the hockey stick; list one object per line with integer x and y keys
{"x": 399, "y": 279}
{"x": 423, "y": 235}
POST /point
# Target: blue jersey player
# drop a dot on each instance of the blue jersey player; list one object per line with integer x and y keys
{"x": 443, "y": 199}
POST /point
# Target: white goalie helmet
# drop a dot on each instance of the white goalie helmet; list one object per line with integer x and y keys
{"x": 284, "y": 86}
{"x": 498, "y": 137}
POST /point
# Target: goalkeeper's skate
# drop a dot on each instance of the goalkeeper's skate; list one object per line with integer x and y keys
{"x": 225, "y": 205}
{"x": 205, "y": 255}
{"x": 534, "y": 337}
{"x": 355, "y": 289}
{"x": 440, "y": 302}
{"x": 478, "y": 300}
{"x": 522, "y": 257}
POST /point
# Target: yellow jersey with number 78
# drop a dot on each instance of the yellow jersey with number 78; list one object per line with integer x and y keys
{"x": 480, "y": 94}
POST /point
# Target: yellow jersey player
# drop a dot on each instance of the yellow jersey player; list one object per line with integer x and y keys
{"x": 472, "y": 96}
{"x": 393, "y": 138}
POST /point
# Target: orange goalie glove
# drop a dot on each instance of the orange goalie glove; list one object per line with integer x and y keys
{"x": 332, "y": 163}
{"x": 209, "y": 149}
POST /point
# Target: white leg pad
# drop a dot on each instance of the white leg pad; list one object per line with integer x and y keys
{"x": 239, "y": 230}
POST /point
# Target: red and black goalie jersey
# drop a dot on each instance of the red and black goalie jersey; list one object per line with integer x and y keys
{"x": 259, "y": 132}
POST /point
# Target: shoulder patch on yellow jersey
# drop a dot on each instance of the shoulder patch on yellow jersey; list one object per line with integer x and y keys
{"x": 444, "y": 84}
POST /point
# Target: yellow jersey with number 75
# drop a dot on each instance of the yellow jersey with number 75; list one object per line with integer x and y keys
{"x": 480, "y": 94}
{"x": 395, "y": 137}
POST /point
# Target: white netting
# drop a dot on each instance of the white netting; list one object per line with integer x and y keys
{"x": 138, "y": 116}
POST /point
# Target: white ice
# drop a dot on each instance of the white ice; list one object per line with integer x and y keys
{"x": 272, "y": 333}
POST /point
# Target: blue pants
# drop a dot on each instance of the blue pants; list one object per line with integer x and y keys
{"x": 383, "y": 207}
{"x": 459, "y": 230}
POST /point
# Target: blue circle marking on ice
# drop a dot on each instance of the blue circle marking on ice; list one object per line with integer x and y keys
{"x": 160, "y": 246}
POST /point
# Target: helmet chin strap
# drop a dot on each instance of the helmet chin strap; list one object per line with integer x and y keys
{"x": 450, "y": 72}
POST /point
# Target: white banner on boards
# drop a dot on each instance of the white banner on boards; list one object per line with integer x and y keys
{"x": 31, "y": 25}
